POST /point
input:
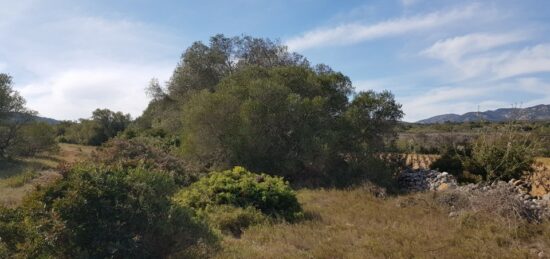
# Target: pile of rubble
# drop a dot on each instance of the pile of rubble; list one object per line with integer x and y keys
{"x": 425, "y": 180}
{"x": 517, "y": 190}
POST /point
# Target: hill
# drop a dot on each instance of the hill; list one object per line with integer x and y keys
{"x": 535, "y": 113}
{"x": 18, "y": 116}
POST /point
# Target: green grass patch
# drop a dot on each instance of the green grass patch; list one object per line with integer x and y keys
{"x": 19, "y": 179}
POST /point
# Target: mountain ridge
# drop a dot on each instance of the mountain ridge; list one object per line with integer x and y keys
{"x": 534, "y": 113}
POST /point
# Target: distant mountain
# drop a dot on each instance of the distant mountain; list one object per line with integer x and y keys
{"x": 535, "y": 113}
{"x": 46, "y": 120}
{"x": 19, "y": 116}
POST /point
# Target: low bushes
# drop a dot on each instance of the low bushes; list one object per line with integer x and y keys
{"x": 241, "y": 188}
{"x": 504, "y": 154}
{"x": 105, "y": 212}
{"x": 234, "y": 199}
{"x": 135, "y": 153}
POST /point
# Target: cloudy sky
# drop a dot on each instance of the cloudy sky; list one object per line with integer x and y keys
{"x": 69, "y": 57}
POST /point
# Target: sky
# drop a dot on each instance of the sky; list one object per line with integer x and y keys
{"x": 69, "y": 57}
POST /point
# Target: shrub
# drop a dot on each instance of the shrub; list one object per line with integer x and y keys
{"x": 11, "y": 230}
{"x": 34, "y": 138}
{"x": 135, "y": 153}
{"x": 241, "y": 188}
{"x": 502, "y": 155}
{"x": 106, "y": 212}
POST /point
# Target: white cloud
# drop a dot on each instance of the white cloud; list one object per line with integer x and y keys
{"x": 76, "y": 93}
{"x": 453, "y": 49}
{"x": 483, "y": 63}
{"x": 353, "y": 33}
{"x": 72, "y": 63}
{"x": 527, "y": 61}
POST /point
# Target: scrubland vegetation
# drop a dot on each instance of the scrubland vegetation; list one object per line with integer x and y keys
{"x": 249, "y": 151}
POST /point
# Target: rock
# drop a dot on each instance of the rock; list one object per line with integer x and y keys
{"x": 541, "y": 254}
{"x": 424, "y": 180}
{"x": 453, "y": 214}
{"x": 546, "y": 197}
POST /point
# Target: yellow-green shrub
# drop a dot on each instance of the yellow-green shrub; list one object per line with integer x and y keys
{"x": 241, "y": 188}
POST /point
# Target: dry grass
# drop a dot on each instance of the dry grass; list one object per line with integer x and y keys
{"x": 544, "y": 161}
{"x": 420, "y": 161}
{"x": 354, "y": 224}
{"x": 72, "y": 153}
{"x": 18, "y": 177}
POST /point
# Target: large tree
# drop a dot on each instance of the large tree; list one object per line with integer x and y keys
{"x": 202, "y": 67}
{"x": 293, "y": 121}
{"x": 104, "y": 125}
{"x": 13, "y": 114}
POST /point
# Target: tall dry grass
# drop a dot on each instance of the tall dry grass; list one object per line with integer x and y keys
{"x": 354, "y": 224}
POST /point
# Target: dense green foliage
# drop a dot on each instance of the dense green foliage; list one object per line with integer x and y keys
{"x": 290, "y": 121}
{"x": 33, "y": 138}
{"x": 100, "y": 212}
{"x": 241, "y": 188}
{"x": 248, "y": 101}
{"x": 104, "y": 125}
{"x": 19, "y": 134}
{"x": 136, "y": 152}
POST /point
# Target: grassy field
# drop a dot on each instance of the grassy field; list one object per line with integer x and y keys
{"x": 354, "y": 224}
{"x": 19, "y": 176}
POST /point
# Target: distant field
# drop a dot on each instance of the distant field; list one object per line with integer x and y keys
{"x": 423, "y": 161}
{"x": 420, "y": 161}
{"x": 19, "y": 176}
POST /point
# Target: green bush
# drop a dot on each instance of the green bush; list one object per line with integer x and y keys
{"x": 502, "y": 155}
{"x": 241, "y": 188}
{"x": 137, "y": 153}
{"x": 34, "y": 138}
{"x": 107, "y": 212}
{"x": 11, "y": 230}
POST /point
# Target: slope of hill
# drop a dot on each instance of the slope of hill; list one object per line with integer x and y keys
{"x": 535, "y": 113}
{"x": 18, "y": 116}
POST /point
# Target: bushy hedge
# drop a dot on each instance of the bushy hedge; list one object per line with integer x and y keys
{"x": 104, "y": 212}
{"x": 138, "y": 153}
{"x": 241, "y": 188}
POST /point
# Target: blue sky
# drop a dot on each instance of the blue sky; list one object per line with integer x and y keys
{"x": 437, "y": 56}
